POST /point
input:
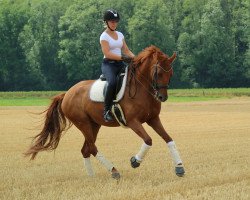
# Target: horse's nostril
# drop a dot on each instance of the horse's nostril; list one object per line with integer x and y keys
{"x": 162, "y": 98}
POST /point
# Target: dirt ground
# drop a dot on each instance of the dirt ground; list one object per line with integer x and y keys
{"x": 213, "y": 139}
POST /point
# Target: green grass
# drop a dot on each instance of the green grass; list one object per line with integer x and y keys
{"x": 32, "y": 94}
{"x": 191, "y": 99}
{"x": 34, "y": 98}
{"x": 214, "y": 92}
{"x": 24, "y": 101}
{"x": 42, "y": 98}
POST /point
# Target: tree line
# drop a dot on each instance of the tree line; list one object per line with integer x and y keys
{"x": 52, "y": 44}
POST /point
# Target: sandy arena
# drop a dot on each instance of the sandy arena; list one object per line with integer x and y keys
{"x": 213, "y": 139}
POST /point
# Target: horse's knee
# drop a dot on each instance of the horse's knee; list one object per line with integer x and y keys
{"x": 93, "y": 149}
{"x": 148, "y": 141}
{"x": 85, "y": 154}
{"x": 85, "y": 151}
{"x": 88, "y": 149}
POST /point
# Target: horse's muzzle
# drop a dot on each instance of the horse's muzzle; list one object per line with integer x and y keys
{"x": 161, "y": 97}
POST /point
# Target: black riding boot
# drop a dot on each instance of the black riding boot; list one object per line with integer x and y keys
{"x": 107, "y": 115}
{"x": 108, "y": 101}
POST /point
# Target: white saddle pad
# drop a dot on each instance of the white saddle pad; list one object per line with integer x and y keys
{"x": 96, "y": 90}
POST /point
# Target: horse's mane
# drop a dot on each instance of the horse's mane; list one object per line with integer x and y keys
{"x": 151, "y": 51}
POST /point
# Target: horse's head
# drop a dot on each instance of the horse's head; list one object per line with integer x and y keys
{"x": 157, "y": 67}
{"x": 161, "y": 73}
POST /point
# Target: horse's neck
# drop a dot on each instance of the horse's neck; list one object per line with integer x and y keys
{"x": 140, "y": 81}
{"x": 143, "y": 74}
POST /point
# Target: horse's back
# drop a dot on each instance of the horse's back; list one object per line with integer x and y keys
{"x": 79, "y": 89}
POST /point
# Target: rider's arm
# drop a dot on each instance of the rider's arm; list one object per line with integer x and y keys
{"x": 126, "y": 50}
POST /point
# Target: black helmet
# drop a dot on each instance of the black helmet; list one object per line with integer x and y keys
{"x": 111, "y": 15}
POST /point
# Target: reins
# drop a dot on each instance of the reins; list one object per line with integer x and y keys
{"x": 154, "y": 85}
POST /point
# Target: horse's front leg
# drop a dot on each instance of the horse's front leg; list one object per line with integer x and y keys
{"x": 140, "y": 131}
{"x": 158, "y": 127}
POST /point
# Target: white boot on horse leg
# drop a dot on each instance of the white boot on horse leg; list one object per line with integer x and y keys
{"x": 108, "y": 165}
{"x": 88, "y": 167}
{"x": 137, "y": 159}
{"x": 179, "y": 169}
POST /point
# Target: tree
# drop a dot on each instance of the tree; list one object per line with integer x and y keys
{"x": 240, "y": 20}
{"x": 218, "y": 52}
{"x": 40, "y": 41}
{"x": 149, "y": 25}
{"x": 80, "y": 29}
{"x": 212, "y": 35}
{"x": 189, "y": 41}
{"x": 13, "y": 69}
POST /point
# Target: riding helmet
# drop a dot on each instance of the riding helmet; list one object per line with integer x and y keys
{"x": 111, "y": 15}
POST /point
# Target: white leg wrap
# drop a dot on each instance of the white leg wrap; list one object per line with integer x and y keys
{"x": 142, "y": 153}
{"x": 174, "y": 153}
{"x": 88, "y": 167}
{"x": 109, "y": 166}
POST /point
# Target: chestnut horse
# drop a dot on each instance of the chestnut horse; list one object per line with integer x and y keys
{"x": 148, "y": 78}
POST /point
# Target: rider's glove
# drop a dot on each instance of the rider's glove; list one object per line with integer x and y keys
{"x": 126, "y": 58}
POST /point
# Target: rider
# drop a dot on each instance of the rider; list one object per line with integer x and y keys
{"x": 115, "y": 51}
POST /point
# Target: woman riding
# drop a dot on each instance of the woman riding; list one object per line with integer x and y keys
{"x": 115, "y": 51}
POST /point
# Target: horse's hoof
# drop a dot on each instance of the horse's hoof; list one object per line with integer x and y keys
{"x": 134, "y": 162}
{"x": 179, "y": 171}
{"x": 116, "y": 175}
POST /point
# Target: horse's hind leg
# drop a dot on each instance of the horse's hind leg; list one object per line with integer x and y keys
{"x": 90, "y": 131}
{"x": 87, "y": 162}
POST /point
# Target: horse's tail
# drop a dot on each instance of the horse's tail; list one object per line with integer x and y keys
{"x": 55, "y": 123}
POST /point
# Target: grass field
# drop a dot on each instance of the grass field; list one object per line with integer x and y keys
{"x": 212, "y": 138}
{"x": 42, "y": 98}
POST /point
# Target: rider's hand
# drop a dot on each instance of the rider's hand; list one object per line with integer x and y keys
{"x": 126, "y": 58}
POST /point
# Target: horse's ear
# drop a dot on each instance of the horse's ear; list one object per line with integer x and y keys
{"x": 172, "y": 58}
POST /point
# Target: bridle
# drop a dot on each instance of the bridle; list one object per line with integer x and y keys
{"x": 154, "y": 84}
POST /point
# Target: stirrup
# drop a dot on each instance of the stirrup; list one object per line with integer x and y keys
{"x": 108, "y": 116}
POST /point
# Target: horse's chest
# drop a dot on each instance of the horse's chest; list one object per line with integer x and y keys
{"x": 146, "y": 111}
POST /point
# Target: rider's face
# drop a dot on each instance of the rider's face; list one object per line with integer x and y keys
{"x": 113, "y": 24}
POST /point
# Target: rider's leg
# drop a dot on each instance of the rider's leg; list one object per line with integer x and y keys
{"x": 110, "y": 71}
{"x": 108, "y": 100}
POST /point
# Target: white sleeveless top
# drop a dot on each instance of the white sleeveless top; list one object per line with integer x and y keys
{"x": 114, "y": 45}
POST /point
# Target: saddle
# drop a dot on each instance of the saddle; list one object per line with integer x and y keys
{"x": 98, "y": 89}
